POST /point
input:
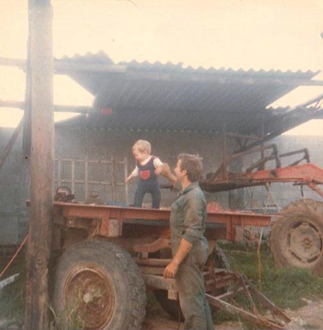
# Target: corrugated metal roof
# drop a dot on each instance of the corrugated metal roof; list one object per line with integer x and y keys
{"x": 158, "y": 96}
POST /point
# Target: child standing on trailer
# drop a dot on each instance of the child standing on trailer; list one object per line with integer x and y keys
{"x": 147, "y": 168}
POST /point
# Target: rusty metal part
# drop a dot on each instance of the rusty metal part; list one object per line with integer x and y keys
{"x": 253, "y": 315}
{"x": 214, "y": 301}
{"x": 153, "y": 262}
{"x": 160, "y": 243}
{"x": 306, "y": 174}
{"x": 90, "y": 297}
{"x": 160, "y": 283}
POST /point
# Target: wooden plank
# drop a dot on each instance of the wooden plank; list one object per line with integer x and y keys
{"x": 57, "y": 108}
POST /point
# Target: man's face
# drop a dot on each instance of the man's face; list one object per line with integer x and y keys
{"x": 180, "y": 174}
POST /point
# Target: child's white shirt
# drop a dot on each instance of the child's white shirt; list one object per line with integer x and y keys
{"x": 157, "y": 163}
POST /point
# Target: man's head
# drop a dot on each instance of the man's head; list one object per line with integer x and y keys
{"x": 141, "y": 150}
{"x": 188, "y": 167}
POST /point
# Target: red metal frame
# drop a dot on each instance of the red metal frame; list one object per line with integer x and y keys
{"x": 78, "y": 215}
{"x": 307, "y": 174}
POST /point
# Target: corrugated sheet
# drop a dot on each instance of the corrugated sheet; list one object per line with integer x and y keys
{"x": 156, "y": 96}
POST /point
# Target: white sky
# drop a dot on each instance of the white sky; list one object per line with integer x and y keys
{"x": 268, "y": 34}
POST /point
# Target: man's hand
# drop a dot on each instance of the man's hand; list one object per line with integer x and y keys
{"x": 158, "y": 170}
{"x": 171, "y": 270}
{"x": 183, "y": 250}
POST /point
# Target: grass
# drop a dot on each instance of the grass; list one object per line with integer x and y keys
{"x": 12, "y": 302}
{"x": 286, "y": 288}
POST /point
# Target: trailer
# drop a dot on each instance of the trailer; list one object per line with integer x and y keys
{"x": 106, "y": 257}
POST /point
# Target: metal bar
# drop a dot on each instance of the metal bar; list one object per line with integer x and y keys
{"x": 266, "y": 301}
{"x": 245, "y": 314}
{"x": 315, "y": 188}
{"x": 11, "y": 142}
{"x": 159, "y": 282}
{"x": 246, "y": 291}
{"x": 235, "y": 310}
{"x": 230, "y": 294}
{"x": 153, "y": 262}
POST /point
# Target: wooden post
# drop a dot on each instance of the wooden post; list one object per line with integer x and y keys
{"x": 42, "y": 152}
{"x": 26, "y": 141}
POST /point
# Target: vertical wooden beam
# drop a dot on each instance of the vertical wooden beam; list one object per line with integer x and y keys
{"x": 224, "y": 148}
{"x": 42, "y": 152}
{"x": 26, "y": 141}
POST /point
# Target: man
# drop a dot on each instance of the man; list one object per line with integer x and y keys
{"x": 189, "y": 246}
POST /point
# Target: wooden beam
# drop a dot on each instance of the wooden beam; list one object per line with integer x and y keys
{"x": 42, "y": 158}
{"x": 57, "y": 108}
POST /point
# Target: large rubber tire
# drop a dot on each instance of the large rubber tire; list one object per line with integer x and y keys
{"x": 296, "y": 239}
{"x": 217, "y": 259}
{"x": 98, "y": 286}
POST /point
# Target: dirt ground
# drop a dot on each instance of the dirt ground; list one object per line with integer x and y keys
{"x": 164, "y": 324}
{"x": 309, "y": 316}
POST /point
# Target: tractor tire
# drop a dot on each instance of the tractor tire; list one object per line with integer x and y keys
{"x": 172, "y": 307}
{"x": 296, "y": 239}
{"x": 98, "y": 286}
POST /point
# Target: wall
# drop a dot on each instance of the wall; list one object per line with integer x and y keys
{"x": 95, "y": 144}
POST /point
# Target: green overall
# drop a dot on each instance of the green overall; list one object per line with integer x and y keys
{"x": 187, "y": 221}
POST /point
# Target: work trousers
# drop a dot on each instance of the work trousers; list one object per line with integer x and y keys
{"x": 191, "y": 290}
{"x": 148, "y": 188}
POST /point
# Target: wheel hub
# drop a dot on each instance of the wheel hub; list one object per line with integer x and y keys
{"x": 90, "y": 298}
{"x": 304, "y": 243}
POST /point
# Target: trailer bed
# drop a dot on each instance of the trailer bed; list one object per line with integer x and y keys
{"x": 112, "y": 220}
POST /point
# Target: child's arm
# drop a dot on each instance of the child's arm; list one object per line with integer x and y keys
{"x": 133, "y": 175}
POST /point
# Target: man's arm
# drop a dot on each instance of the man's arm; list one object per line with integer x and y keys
{"x": 193, "y": 215}
{"x": 158, "y": 164}
{"x": 183, "y": 250}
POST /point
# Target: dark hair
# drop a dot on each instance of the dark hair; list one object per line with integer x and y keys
{"x": 192, "y": 164}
